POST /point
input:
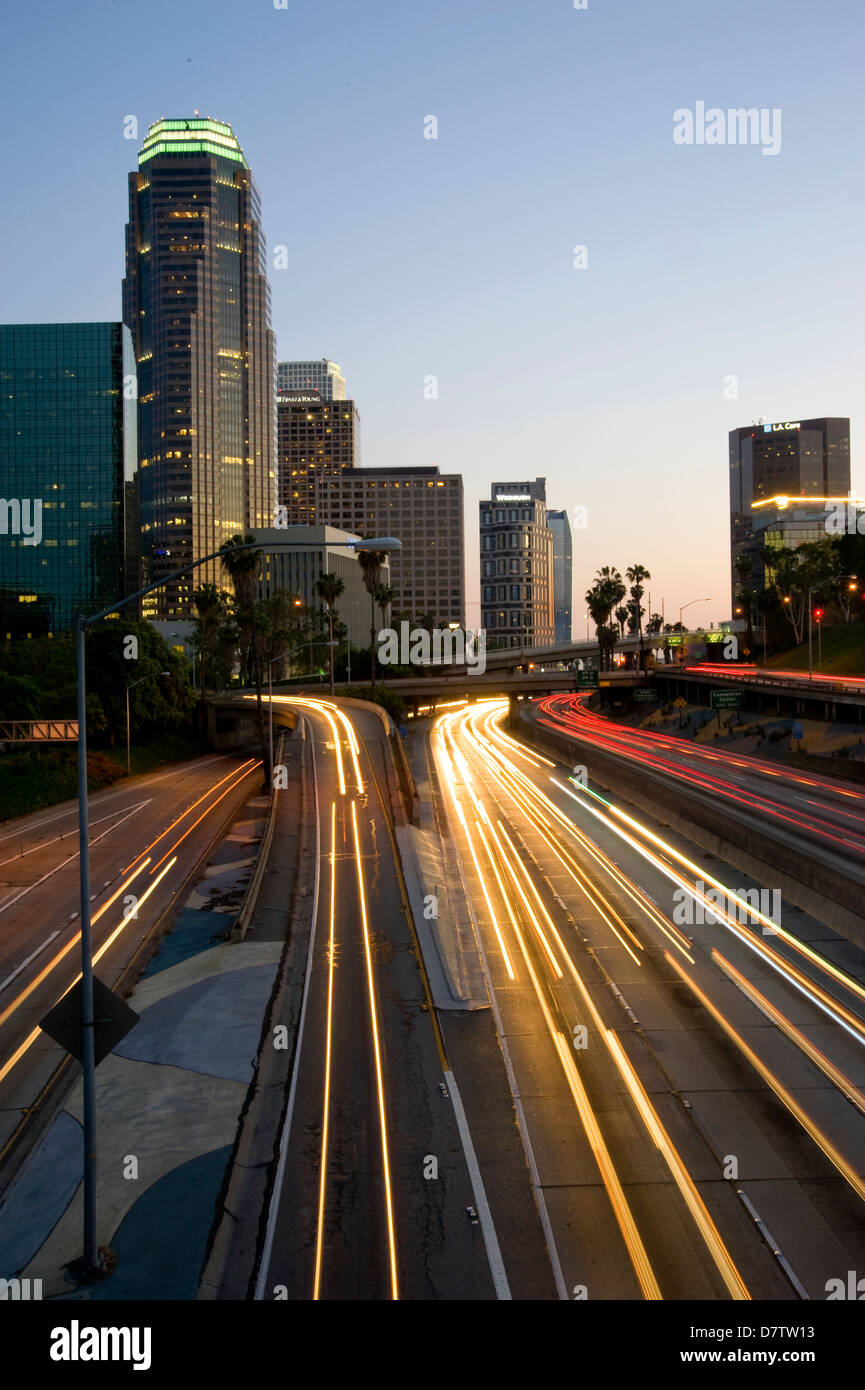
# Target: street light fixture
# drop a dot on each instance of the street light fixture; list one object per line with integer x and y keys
{"x": 688, "y": 605}
{"x": 151, "y": 677}
{"x": 90, "y": 1266}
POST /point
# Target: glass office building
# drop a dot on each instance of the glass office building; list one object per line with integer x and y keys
{"x": 68, "y": 459}
{"x": 197, "y": 301}
{"x": 563, "y": 583}
{"x": 801, "y": 462}
{"x": 323, "y": 378}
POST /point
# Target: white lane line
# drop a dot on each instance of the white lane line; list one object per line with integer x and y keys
{"x": 529, "y": 1152}
{"x": 276, "y": 1194}
{"x": 491, "y": 1240}
{"x": 100, "y": 799}
{"x": 25, "y": 963}
{"x": 34, "y": 849}
{"x": 29, "y": 889}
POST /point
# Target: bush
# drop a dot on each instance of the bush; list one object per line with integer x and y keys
{"x": 388, "y": 699}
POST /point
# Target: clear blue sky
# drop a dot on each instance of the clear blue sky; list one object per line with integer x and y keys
{"x": 454, "y": 257}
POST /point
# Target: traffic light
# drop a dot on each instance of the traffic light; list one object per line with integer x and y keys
{"x": 818, "y": 613}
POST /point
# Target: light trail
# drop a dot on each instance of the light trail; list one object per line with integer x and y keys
{"x": 206, "y": 812}
{"x": 824, "y": 1143}
{"x": 168, "y": 829}
{"x": 325, "y": 1117}
{"x": 30, "y": 1040}
{"x": 378, "y": 1067}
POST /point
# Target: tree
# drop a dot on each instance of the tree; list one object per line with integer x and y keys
{"x": 622, "y": 615}
{"x": 746, "y": 598}
{"x": 241, "y": 561}
{"x": 211, "y": 617}
{"x": 384, "y": 598}
{"x": 330, "y": 587}
{"x": 606, "y": 592}
{"x": 636, "y": 576}
{"x": 371, "y": 562}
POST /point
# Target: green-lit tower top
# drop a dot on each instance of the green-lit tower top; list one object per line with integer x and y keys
{"x": 198, "y": 135}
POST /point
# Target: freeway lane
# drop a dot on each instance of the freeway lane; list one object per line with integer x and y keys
{"x": 372, "y": 1188}
{"x": 827, "y": 816}
{"x": 146, "y": 838}
{"x": 756, "y": 1098}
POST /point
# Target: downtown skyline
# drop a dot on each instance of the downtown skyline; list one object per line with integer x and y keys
{"x": 452, "y": 258}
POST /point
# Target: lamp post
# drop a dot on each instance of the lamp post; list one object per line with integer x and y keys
{"x": 688, "y": 605}
{"x": 128, "y": 739}
{"x": 90, "y": 1266}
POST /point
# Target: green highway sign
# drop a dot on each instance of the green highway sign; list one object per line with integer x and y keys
{"x": 726, "y": 699}
{"x": 587, "y": 679}
{"x": 644, "y": 692}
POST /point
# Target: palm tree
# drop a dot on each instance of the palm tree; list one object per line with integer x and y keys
{"x": 371, "y": 562}
{"x": 330, "y": 587}
{"x": 241, "y": 561}
{"x": 622, "y": 615}
{"x": 636, "y": 576}
{"x": 384, "y": 599}
{"x": 605, "y": 593}
{"x": 210, "y": 609}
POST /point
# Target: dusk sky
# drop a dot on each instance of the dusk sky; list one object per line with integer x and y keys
{"x": 410, "y": 257}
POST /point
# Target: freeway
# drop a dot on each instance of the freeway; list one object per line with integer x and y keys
{"x": 799, "y": 680}
{"x": 373, "y": 1181}
{"x": 147, "y": 837}
{"x": 826, "y": 816}
{"x": 689, "y": 1074}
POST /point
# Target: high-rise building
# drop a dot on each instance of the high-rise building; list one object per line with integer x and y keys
{"x": 563, "y": 584}
{"x": 517, "y": 566}
{"x": 68, "y": 517}
{"x": 423, "y": 508}
{"x": 197, "y": 301}
{"x": 316, "y": 439}
{"x": 796, "y": 461}
{"x": 325, "y": 378}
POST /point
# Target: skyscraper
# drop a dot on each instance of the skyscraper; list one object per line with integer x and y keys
{"x": 424, "y": 509}
{"x": 69, "y": 533}
{"x": 563, "y": 586}
{"x": 323, "y": 377}
{"x": 801, "y": 461}
{"x": 316, "y": 439}
{"x": 517, "y": 566}
{"x": 197, "y": 301}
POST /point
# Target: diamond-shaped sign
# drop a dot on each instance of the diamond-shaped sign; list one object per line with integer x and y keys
{"x": 112, "y": 1020}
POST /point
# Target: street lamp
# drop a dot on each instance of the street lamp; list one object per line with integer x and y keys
{"x": 89, "y": 1265}
{"x": 688, "y": 605}
{"x": 128, "y": 742}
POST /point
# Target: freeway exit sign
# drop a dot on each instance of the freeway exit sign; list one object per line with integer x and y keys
{"x": 726, "y": 699}
{"x": 587, "y": 679}
{"x": 644, "y": 692}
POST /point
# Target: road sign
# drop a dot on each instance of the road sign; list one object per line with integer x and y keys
{"x": 726, "y": 699}
{"x": 645, "y": 692}
{"x": 797, "y": 730}
{"x": 680, "y": 703}
{"x": 587, "y": 679}
{"x": 113, "y": 1019}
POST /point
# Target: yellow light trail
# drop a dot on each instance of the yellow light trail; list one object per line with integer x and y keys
{"x": 706, "y": 1227}
{"x": 795, "y": 1034}
{"x": 377, "y": 1050}
{"x": 337, "y": 744}
{"x": 822, "y": 1141}
{"x": 325, "y": 1118}
{"x": 248, "y": 764}
{"x": 64, "y": 950}
{"x": 206, "y": 812}
{"x": 832, "y": 1007}
{"x": 30, "y": 1040}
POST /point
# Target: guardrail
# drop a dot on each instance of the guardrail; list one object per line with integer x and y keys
{"x": 241, "y": 925}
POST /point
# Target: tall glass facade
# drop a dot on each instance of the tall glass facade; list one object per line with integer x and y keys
{"x": 563, "y": 584}
{"x": 197, "y": 301}
{"x": 68, "y": 460}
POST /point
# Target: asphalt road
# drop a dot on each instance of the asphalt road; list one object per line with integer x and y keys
{"x": 146, "y": 839}
{"x": 625, "y": 1004}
